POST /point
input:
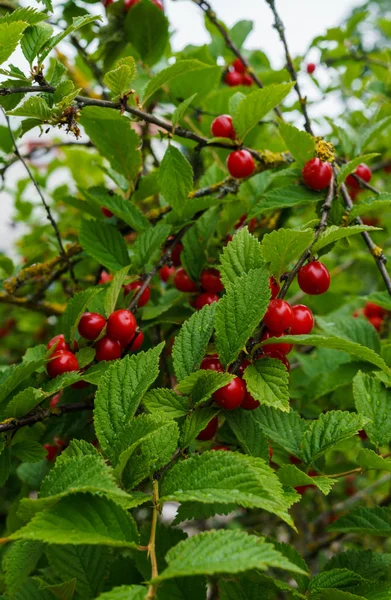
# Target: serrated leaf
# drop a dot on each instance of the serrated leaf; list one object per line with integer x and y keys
{"x": 300, "y": 144}
{"x": 114, "y": 289}
{"x": 125, "y": 592}
{"x": 166, "y": 75}
{"x": 201, "y": 384}
{"x": 334, "y": 233}
{"x": 367, "y": 563}
{"x": 77, "y": 23}
{"x": 119, "y": 79}
{"x": 357, "y": 330}
{"x": 372, "y": 131}
{"x": 181, "y": 109}
{"x": 248, "y": 431}
{"x": 19, "y": 561}
{"x": 291, "y": 475}
{"x": 34, "y": 38}
{"x": 267, "y": 380}
{"x": 23, "y": 402}
{"x": 256, "y": 105}
{"x": 146, "y": 28}
{"x": 221, "y": 551}
{"x": 27, "y": 14}
{"x": 335, "y": 578}
{"x": 124, "y": 209}
{"x": 34, "y": 107}
{"x": 335, "y": 343}
{"x": 105, "y": 244}
{"x": 372, "y": 521}
{"x": 240, "y": 256}
{"x": 368, "y": 459}
{"x": 283, "y": 197}
{"x": 28, "y": 451}
{"x": 119, "y": 393}
{"x": 327, "y": 431}
{"x": 375, "y": 204}
{"x": 10, "y": 36}
{"x": 76, "y": 306}
{"x": 192, "y": 341}
{"x": 114, "y": 138}
{"x": 240, "y": 311}
{"x": 17, "y": 375}
{"x": 148, "y": 245}
{"x": 195, "y": 422}
{"x": 372, "y": 400}
{"x": 192, "y": 510}
{"x": 282, "y": 247}
{"x": 176, "y": 178}
{"x": 226, "y": 477}
{"x": 351, "y": 166}
{"x": 82, "y": 520}
{"x": 284, "y": 428}
{"x": 196, "y": 240}
{"x": 166, "y": 401}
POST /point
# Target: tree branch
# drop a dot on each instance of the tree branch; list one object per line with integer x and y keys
{"x": 152, "y": 540}
{"x": 41, "y": 414}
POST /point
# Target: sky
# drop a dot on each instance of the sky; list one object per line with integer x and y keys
{"x": 303, "y": 19}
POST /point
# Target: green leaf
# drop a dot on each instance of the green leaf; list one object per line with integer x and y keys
{"x": 256, "y": 105}
{"x": 114, "y": 139}
{"x": 226, "y": 477}
{"x": 181, "y": 109}
{"x": 334, "y": 234}
{"x": 34, "y": 38}
{"x": 146, "y": 29}
{"x": 372, "y": 400}
{"x": 10, "y": 36}
{"x": 76, "y": 306}
{"x": 351, "y": 166}
{"x": 119, "y": 79}
{"x": 333, "y": 342}
{"x": 196, "y": 240}
{"x": 176, "y": 178}
{"x": 327, "y": 431}
{"x": 124, "y": 209}
{"x": 166, "y": 401}
{"x": 105, "y": 244}
{"x": 114, "y": 289}
{"x": 284, "y": 428}
{"x": 148, "y": 245}
{"x": 283, "y": 197}
{"x": 18, "y": 562}
{"x": 372, "y": 521}
{"x": 282, "y": 247}
{"x": 77, "y": 23}
{"x": 203, "y": 80}
{"x": 181, "y": 67}
{"x": 221, "y": 551}
{"x": 352, "y": 329}
{"x": 247, "y": 429}
{"x": 192, "y": 341}
{"x": 119, "y": 393}
{"x": 367, "y": 563}
{"x": 240, "y": 311}
{"x": 368, "y": 459}
{"x": 23, "y": 402}
{"x": 371, "y": 132}
{"x": 240, "y": 256}
{"x": 374, "y": 204}
{"x": 195, "y": 422}
{"x": 17, "y": 374}
{"x": 27, "y": 14}
{"x": 267, "y": 380}
{"x": 201, "y": 384}
{"x": 291, "y": 475}
{"x": 35, "y": 107}
{"x": 300, "y": 144}
{"x": 335, "y": 578}
{"x": 125, "y": 592}
{"x": 82, "y": 520}
{"x": 28, "y": 451}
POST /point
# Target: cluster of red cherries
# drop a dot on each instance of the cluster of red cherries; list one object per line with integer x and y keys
{"x": 374, "y": 313}
{"x": 128, "y": 4}
{"x": 240, "y": 163}
{"x": 237, "y": 75}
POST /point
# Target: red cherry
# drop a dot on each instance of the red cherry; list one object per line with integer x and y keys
{"x": 247, "y": 80}
{"x": 128, "y": 4}
{"x": 121, "y": 326}
{"x": 176, "y": 254}
{"x": 387, "y": 169}
{"x": 80, "y": 385}
{"x": 303, "y": 320}
{"x": 362, "y": 171}
{"x": 283, "y": 348}
{"x": 374, "y": 310}
{"x": 311, "y": 68}
{"x": 55, "y": 400}
{"x": 314, "y": 278}
{"x": 239, "y": 66}
{"x": 225, "y": 448}
{"x": 371, "y": 221}
{"x": 377, "y": 322}
{"x": 204, "y": 299}
{"x": 106, "y": 212}
{"x": 251, "y": 226}
{"x": 353, "y": 193}
{"x": 276, "y": 354}
{"x": 63, "y": 362}
{"x": 249, "y": 403}
{"x": 183, "y": 283}
{"x": 240, "y": 164}
{"x": 278, "y": 316}
{"x": 245, "y": 363}
{"x": 108, "y": 349}
{"x": 107, "y": 3}
{"x": 274, "y": 287}
{"x": 300, "y": 489}
{"x": 270, "y": 452}
{"x": 212, "y": 363}
{"x": 294, "y": 460}
{"x": 222, "y": 127}
{"x": 233, "y": 78}
{"x": 105, "y": 277}
{"x": 137, "y": 342}
{"x": 166, "y": 273}
{"x": 210, "y": 430}
{"x": 231, "y": 395}
{"x": 317, "y": 174}
{"x": 52, "y": 452}
{"x": 135, "y": 286}
{"x": 362, "y": 434}
{"x": 211, "y": 281}
{"x": 91, "y": 325}
{"x": 59, "y": 342}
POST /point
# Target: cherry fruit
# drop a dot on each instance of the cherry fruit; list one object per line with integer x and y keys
{"x": 183, "y": 283}
{"x": 206, "y": 298}
{"x": 277, "y": 355}
{"x": 134, "y": 287}
{"x": 374, "y": 310}
{"x": 247, "y": 80}
{"x": 283, "y": 348}
{"x": 317, "y": 174}
{"x": 63, "y": 362}
{"x": 274, "y": 287}
{"x": 239, "y": 66}
{"x": 166, "y": 273}
{"x": 362, "y": 171}
{"x": 311, "y": 68}
{"x": 108, "y": 349}
{"x": 240, "y": 164}
{"x": 137, "y": 342}
{"x": 106, "y": 212}
{"x": 222, "y": 127}
{"x": 210, "y": 430}
{"x": 176, "y": 254}
{"x": 233, "y": 78}
{"x": 314, "y": 278}
{"x": 59, "y": 342}
{"x": 105, "y": 277}
{"x": 211, "y": 281}
{"x": 212, "y": 363}
{"x": 278, "y": 316}
{"x": 249, "y": 403}
{"x": 303, "y": 320}
{"x": 231, "y": 395}
{"x": 91, "y": 325}
{"x": 121, "y": 326}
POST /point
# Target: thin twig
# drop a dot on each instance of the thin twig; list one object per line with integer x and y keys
{"x": 42, "y": 414}
{"x": 152, "y": 541}
{"x": 279, "y": 26}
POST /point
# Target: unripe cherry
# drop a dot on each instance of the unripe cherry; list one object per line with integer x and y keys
{"x": 211, "y": 281}
{"x": 91, "y": 325}
{"x": 63, "y": 362}
{"x": 231, "y": 395}
{"x": 314, "y": 278}
{"x": 183, "y": 283}
{"x": 222, "y": 127}
{"x": 303, "y": 320}
{"x": 134, "y": 287}
{"x": 240, "y": 164}
{"x": 121, "y": 326}
{"x": 317, "y": 174}
{"x": 210, "y": 430}
{"x": 278, "y": 316}
{"x": 108, "y": 349}
{"x": 206, "y": 298}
